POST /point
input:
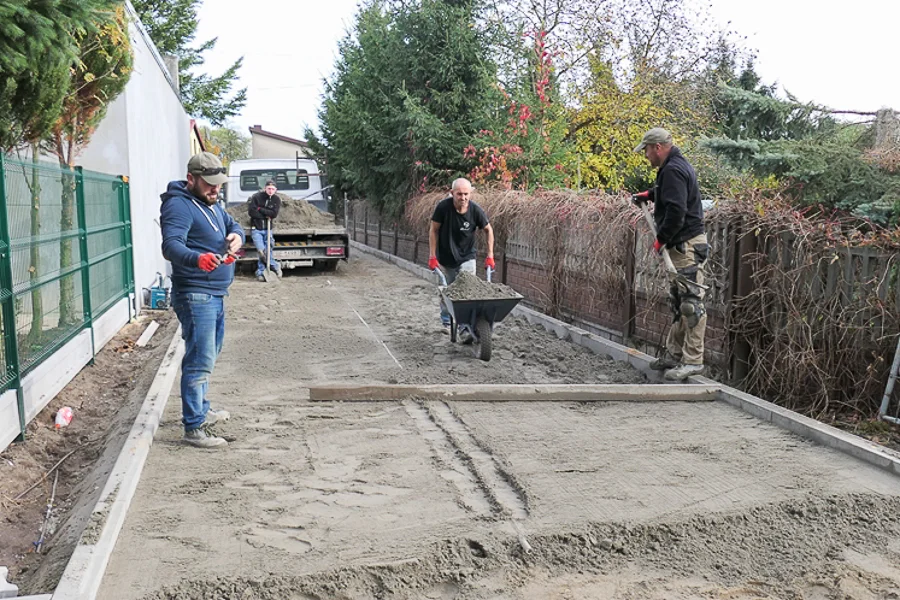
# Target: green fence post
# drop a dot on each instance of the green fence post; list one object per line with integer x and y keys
{"x": 85, "y": 259}
{"x": 129, "y": 246}
{"x": 7, "y": 299}
{"x": 123, "y": 240}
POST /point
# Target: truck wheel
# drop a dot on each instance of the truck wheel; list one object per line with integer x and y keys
{"x": 483, "y": 332}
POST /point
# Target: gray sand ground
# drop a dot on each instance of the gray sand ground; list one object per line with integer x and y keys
{"x": 434, "y": 500}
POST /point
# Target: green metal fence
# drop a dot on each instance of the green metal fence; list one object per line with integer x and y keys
{"x": 65, "y": 258}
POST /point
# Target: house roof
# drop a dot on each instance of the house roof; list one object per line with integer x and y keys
{"x": 258, "y": 130}
{"x": 196, "y": 130}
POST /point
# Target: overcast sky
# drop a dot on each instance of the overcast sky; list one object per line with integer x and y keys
{"x": 843, "y": 58}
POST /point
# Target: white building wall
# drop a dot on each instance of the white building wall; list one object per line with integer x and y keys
{"x": 146, "y": 135}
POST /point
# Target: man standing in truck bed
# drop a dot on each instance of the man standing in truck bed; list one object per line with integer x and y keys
{"x": 263, "y": 207}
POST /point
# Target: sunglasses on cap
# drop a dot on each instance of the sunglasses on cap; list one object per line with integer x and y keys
{"x": 210, "y": 171}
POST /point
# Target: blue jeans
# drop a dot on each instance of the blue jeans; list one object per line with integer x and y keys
{"x": 259, "y": 240}
{"x": 202, "y": 318}
{"x": 451, "y": 274}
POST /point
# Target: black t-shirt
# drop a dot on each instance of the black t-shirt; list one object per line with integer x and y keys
{"x": 456, "y": 237}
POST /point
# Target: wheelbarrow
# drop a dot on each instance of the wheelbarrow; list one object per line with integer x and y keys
{"x": 476, "y": 316}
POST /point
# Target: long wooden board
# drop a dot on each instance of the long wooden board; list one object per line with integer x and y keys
{"x": 518, "y": 393}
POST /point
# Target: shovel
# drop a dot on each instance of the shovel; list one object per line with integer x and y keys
{"x": 673, "y": 273}
{"x": 269, "y": 275}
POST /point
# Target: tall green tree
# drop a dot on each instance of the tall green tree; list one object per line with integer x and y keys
{"x": 172, "y": 25}
{"x": 48, "y": 92}
{"x": 100, "y": 74}
{"x": 821, "y": 160}
{"x": 37, "y": 43}
{"x": 412, "y": 87}
{"x": 226, "y": 143}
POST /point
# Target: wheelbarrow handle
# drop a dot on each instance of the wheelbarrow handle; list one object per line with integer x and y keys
{"x": 441, "y": 275}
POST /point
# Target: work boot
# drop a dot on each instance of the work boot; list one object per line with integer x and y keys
{"x": 665, "y": 362}
{"x": 465, "y": 336}
{"x": 216, "y": 416}
{"x": 682, "y": 372}
{"x": 260, "y": 277}
{"x": 200, "y": 439}
{"x": 278, "y": 271}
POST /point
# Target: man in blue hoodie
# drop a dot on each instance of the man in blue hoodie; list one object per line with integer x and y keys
{"x": 200, "y": 240}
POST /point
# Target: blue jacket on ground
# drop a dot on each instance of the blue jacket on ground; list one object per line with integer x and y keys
{"x": 190, "y": 228}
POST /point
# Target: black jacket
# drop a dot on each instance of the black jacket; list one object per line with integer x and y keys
{"x": 261, "y": 207}
{"x": 677, "y": 207}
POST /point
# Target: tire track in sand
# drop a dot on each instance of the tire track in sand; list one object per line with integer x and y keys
{"x": 485, "y": 487}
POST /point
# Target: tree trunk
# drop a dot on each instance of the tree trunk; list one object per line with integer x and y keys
{"x": 34, "y": 270}
{"x": 68, "y": 312}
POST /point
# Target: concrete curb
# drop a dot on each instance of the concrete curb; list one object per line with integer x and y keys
{"x": 84, "y": 572}
{"x": 811, "y": 429}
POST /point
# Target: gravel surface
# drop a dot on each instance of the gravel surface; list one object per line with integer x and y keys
{"x": 433, "y": 500}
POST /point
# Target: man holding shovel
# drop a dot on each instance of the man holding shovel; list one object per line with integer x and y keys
{"x": 678, "y": 216}
{"x": 200, "y": 240}
{"x": 263, "y": 207}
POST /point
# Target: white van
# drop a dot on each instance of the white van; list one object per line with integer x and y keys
{"x": 297, "y": 178}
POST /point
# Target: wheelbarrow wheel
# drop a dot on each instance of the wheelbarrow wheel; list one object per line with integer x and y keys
{"x": 483, "y": 333}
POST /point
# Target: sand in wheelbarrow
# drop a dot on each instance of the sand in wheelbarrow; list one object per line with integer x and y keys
{"x": 294, "y": 214}
{"x": 469, "y": 287}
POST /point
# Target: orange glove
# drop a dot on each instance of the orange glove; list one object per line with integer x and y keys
{"x": 432, "y": 263}
{"x": 489, "y": 262}
{"x": 208, "y": 262}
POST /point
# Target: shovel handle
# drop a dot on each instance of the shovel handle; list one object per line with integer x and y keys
{"x": 670, "y": 266}
{"x": 667, "y": 260}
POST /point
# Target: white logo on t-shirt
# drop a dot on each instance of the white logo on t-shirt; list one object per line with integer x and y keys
{"x": 465, "y": 225}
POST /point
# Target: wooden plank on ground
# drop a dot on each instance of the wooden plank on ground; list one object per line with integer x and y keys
{"x": 518, "y": 393}
{"x": 148, "y": 333}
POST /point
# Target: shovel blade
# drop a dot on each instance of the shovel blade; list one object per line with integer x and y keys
{"x": 270, "y": 276}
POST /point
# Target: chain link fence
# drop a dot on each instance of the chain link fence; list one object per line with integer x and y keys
{"x": 65, "y": 258}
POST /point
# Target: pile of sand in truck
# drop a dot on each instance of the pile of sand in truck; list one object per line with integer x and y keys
{"x": 294, "y": 214}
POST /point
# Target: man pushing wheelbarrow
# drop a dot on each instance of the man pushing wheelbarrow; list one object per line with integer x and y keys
{"x": 451, "y": 240}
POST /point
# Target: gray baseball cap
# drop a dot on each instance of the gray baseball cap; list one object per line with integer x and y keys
{"x": 208, "y": 166}
{"x": 657, "y": 135}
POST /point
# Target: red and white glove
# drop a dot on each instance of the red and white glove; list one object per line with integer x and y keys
{"x": 489, "y": 263}
{"x": 208, "y": 262}
{"x": 432, "y": 263}
{"x": 657, "y": 246}
{"x": 229, "y": 258}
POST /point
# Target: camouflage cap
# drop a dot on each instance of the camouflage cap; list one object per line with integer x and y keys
{"x": 657, "y": 135}
{"x": 208, "y": 166}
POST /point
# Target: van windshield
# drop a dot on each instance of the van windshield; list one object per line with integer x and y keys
{"x": 285, "y": 179}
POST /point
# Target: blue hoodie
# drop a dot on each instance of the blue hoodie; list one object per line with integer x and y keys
{"x": 190, "y": 228}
